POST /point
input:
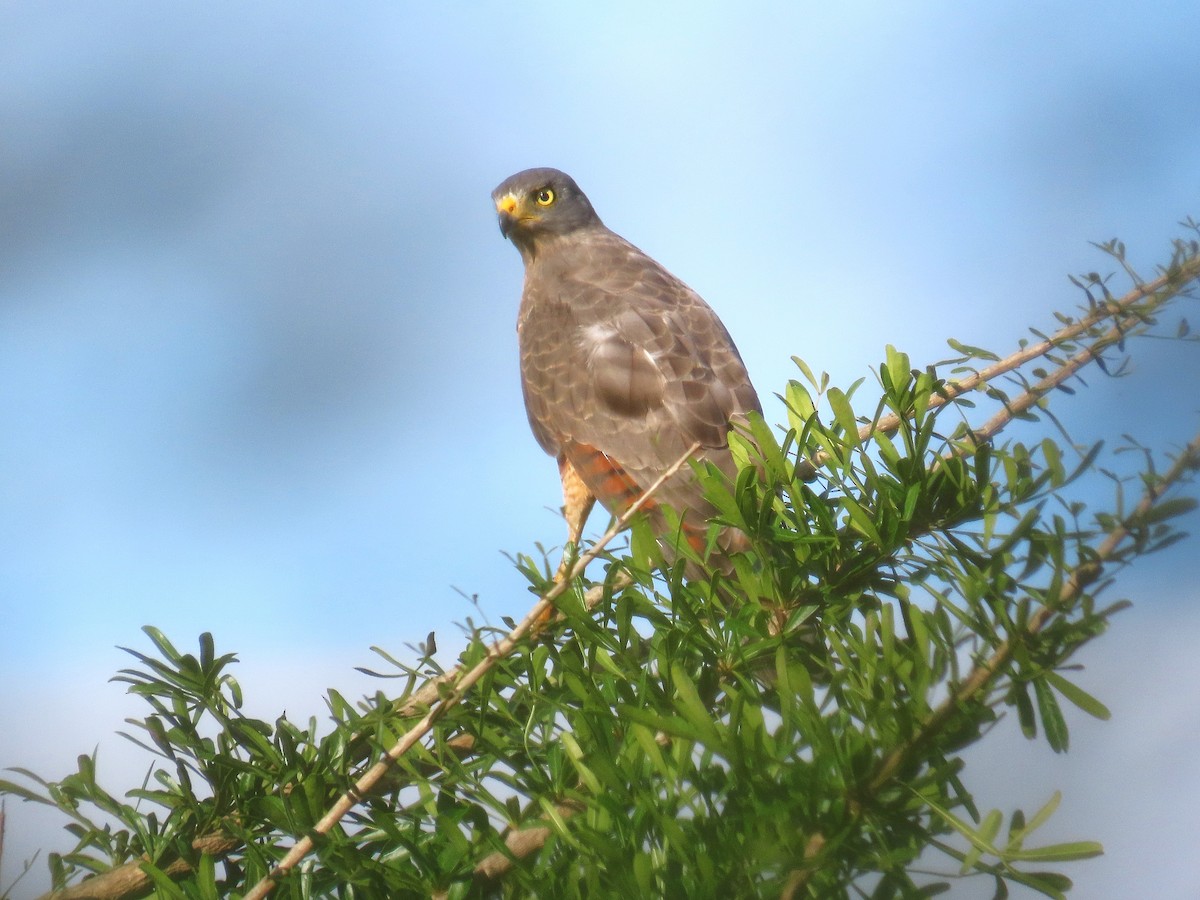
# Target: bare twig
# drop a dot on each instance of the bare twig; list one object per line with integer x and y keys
{"x": 498, "y": 650}
{"x": 1189, "y": 270}
{"x": 1063, "y": 373}
{"x": 1115, "y": 309}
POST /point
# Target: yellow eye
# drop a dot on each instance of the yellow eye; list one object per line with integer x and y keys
{"x": 544, "y": 197}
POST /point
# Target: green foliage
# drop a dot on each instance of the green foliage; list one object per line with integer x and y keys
{"x": 792, "y": 727}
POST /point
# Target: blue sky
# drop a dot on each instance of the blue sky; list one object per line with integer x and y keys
{"x": 257, "y": 348}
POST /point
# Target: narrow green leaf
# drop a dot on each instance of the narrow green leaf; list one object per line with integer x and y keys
{"x": 982, "y": 842}
{"x": 1168, "y": 509}
{"x": 1025, "y": 712}
{"x": 1061, "y": 852}
{"x": 973, "y": 352}
{"x": 1052, "y": 884}
{"x": 1079, "y": 697}
{"x": 16, "y": 790}
{"x": 688, "y": 702}
{"x": 1043, "y": 815}
{"x": 1053, "y": 722}
{"x": 805, "y": 370}
{"x": 165, "y": 886}
{"x": 673, "y": 725}
{"x": 861, "y": 520}
{"x": 844, "y": 415}
{"x": 1016, "y": 830}
{"x": 645, "y": 738}
{"x": 165, "y": 647}
{"x": 898, "y": 364}
{"x": 990, "y": 827}
{"x": 1053, "y": 461}
{"x": 207, "y": 650}
{"x": 576, "y": 755}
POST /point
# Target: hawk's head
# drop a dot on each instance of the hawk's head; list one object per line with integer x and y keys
{"x": 540, "y": 203}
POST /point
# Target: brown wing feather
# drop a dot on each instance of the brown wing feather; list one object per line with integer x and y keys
{"x": 619, "y": 355}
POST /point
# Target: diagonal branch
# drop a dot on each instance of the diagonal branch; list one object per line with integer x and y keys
{"x": 1126, "y": 311}
{"x": 498, "y": 650}
{"x": 1169, "y": 284}
{"x": 1063, "y": 373}
{"x": 428, "y": 693}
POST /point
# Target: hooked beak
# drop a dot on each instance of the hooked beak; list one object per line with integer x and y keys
{"x": 506, "y": 208}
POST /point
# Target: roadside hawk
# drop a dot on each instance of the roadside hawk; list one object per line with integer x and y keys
{"x": 623, "y": 366}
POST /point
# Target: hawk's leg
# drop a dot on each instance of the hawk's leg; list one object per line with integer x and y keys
{"x": 578, "y": 501}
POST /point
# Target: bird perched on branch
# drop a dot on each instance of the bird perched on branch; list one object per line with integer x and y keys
{"x": 623, "y": 366}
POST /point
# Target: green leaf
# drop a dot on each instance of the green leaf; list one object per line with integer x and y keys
{"x": 983, "y": 840}
{"x": 1043, "y": 815}
{"x": 576, "y": 754}
{"x": 1016, "y": 830}
{"x": 1052, "y": 884}
{"x": 17, "y": 790}
{"x": 844, "y": 415}
{"x": 1167, "y": 509}
{"x": 898, "y": 363}
{"x": 165, "y": 647}
{"x": 677, "y": 726}
{"x": 689, "y": 704}
{"x": 1079, "y": 697}
{"x": 1053, "y": 461}
{"x": 1061, "y": 852}
{"x": 861, "y": 520}
{"x": 1025, "y": 712}
{"x": 645, "y": 739}
{"x": 805, "y": 370}
{"x": 1053, "y": 722}
{"x": 962, "y": 827}
{"x": 972, "y": 352}
{"x": 165, "y": 886}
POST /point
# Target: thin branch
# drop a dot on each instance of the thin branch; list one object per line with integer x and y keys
{"x": 1172, "y": 283}
{"x": 498, "y": 650}
{"x": 1064, "y": 372}
{"x": 429, "y": 692}
{"x": 1188, "y": 271}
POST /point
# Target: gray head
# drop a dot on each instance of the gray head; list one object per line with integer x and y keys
{"x": 540, "y": 204}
